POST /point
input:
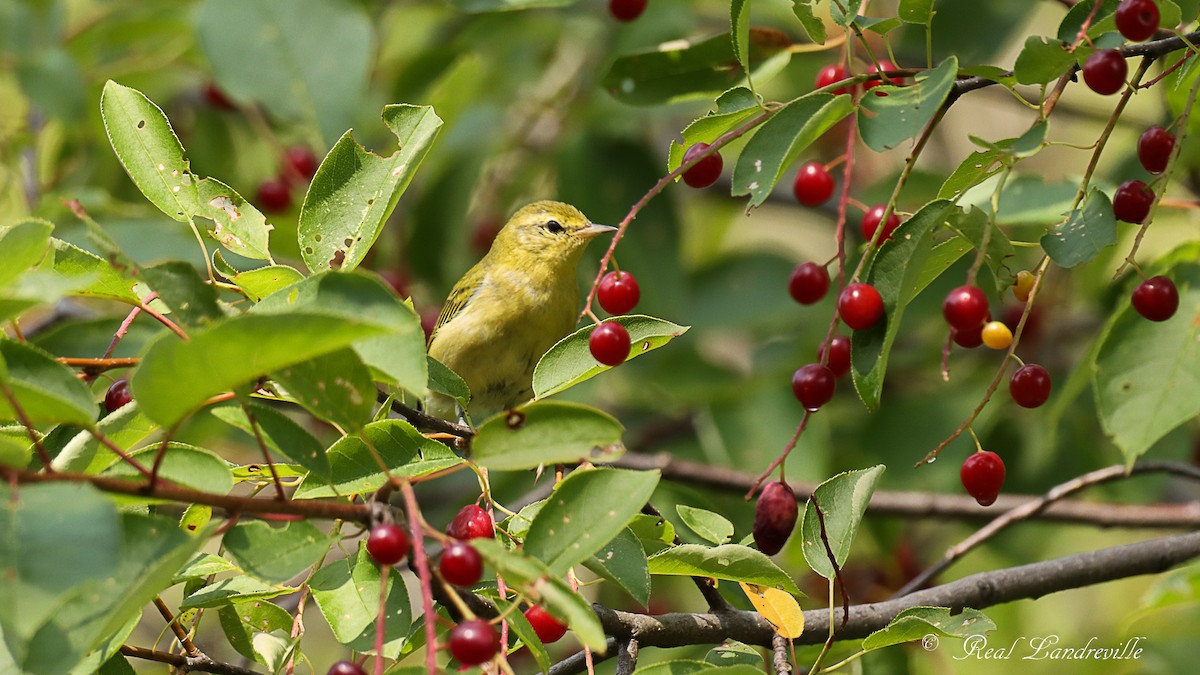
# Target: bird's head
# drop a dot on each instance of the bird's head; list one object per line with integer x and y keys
{"x": 546, "y": 231}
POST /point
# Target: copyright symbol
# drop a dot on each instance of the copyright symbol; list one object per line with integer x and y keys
{"x": 929, "y": 642}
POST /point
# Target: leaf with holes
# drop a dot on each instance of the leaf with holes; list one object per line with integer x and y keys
{"x": 896, "y": 114}
{"x": 842, "y": 499}
{"x": 813, "y": 25}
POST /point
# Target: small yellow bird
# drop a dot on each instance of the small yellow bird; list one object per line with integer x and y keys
{"x": 512, "y": 306}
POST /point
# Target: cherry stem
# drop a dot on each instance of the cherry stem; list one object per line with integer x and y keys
{"x": 381, "y": 617}
{"x": 413, "y": 510}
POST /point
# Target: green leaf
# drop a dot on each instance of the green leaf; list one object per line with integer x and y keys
{"x": 24, "y": 245}
{"x": 355, "y": 190}
{"x": 1147, "y": 374}
{"x": 894, "y": 272}
{"x": 734, "y": 108}
{"x": 241, "y": 621}
{"x": 96, "y": 277}
{"x": 281, "y": 434}
{"x": 587, "y": 509}
{"x": 203, "y": 565}
{"x": 231, "y": 590}
{"x": 477, "y": 6}
{"x": 623, "y": 562}
{"x": 732, "y": 562}
{"x": 711, "y": 526}
{"x": 843, "y": 500}
{"x": 1042, "y": 60}
{"x": 739, "y": 15}
{"x": 1178, "y": 586}
{"x": 885, "y": 121}
{"x": 675, "y": 667}
{"x": 311, "y": 57}
{"x": 276, "y": 554}
{"x": 570, "y": 361}
{"x": 915, "y": 623}
{"x": 193, "y": 303}
{"x": 525, "y": 633}
{"x": 195, "y": 518}
{"x": 971, "y": 226}
{"x": 547, "y": 432}
{"x": 347, "y": 591}
{"x": 845, "y": 12}
{"x": 813, "y": 25}
{"x": 1085, "y": 232}
{"x": 335, "y": 387}
{"x": 733, "y": 653}
{"x": 125, "y": 427}
{"x": 354, "y": 469}
{"x": 175, "y": 377}
{"x": 915, "y": 11}
{"x": 444, "y": 381}
{"x": 183, "y": 464}
{"x": 47, "y": 391}
{"x": 781, "y": 139}
{"x": 153, "y": 157}
{"x": 261, "y": 282}
{"x": 1068, "y": 28}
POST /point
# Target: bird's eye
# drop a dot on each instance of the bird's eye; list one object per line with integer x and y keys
{"x": 554, "y": 227}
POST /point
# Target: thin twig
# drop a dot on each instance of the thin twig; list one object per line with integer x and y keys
{"x": 180, "y": 632}
{"x": 413, "y": 511}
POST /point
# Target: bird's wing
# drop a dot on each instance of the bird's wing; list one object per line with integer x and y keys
{"x": 460, "y": 297}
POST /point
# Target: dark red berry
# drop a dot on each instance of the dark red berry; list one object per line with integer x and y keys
{"x": 1154, "y": 149}
{"x": 839, "y": 355}
{"x": 461, "y": 564}
{"x": 809, "y": 283}
{"x": 387, "y": 544}
{"x": 965, "y": 307}
{"x": 548, "y": 628}
{"x": 1104, "y": 71}
{"x": 471, "y": 522}
{"x": 814, "y": 184}
{"x": 301, "y": 160}
{"x": 774, "y": 517}
{"x": 217, "y": 98}
{"x": 1132, "y": 201}
{"x": 983, "y": 475}
{"x": 704, "y": 172}
{"x": 474, "y": 642}
{"x": 626, "y": 10}
{"x": 1156, "y": 298}
{"x": 970, "y": 338}
{"x": 860, "y": 306}
{"x": 274, "y": 196}
{"x": 813, "y": 386}
{"x": 609, "y": 343}
{"x": 830, "y": 74}
{"x": 117, "y": 395}
{"x": 870, "y": 222}
{"x": 618, "y": 292}
{"x": 884, "y": 66}
{"x": 345, "y": 668}
{"x": 1030, "y": 386}
{"x": 1137, "y": 19}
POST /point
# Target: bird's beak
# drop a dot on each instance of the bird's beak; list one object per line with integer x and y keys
{"x": 594, "y": 230}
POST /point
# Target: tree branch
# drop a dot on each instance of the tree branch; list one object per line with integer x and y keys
{"x": 199, "y": 664}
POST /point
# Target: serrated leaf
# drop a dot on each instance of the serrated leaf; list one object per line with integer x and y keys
{"x": 623, "y": 562}
{"x": 203, "y": 565}
{"x": 739, "y": 15}
{"x": 915, "y": 11}
{"x": 1086, "y": 231}
{"x": 355, "y": 190}
{"x": 780, "y": 609}
{"x": 47, "y": 391}
{"x": 570, "y": 361}
{"x": 24, "y": 245}
{"x": 781, "y": 139}
{"x": 354, "y": 470}
{"x": 894, "y": 272}
{"x": 153, "y": 157}
{"x": 1068, "y": 28}
{"x": 587, "y": 509}
{"x": 276, "y": 554}
{"x": 231, "y": 590}
{"x": 125, "y": 427}
{"x": 261, "y": 282}
{"x": 843, "y": 500}
{"x": 444, "y": 381}
{"x": 347, "y": 591}
{"x": 734, "y": 108}
{"x": 732, "y": 562}
{"x": 713, "y": 527}
{"x": 182, "y": 464}
{"x": 241, "y": 621}
{"x": 734, "y": 653}
{"x": 95, "y": 277}
{"x": 547, "y": 432}
{"x": 1042, "y": 60}
{"x": 193, "y": 303}
{"x": 813, "y": 25}
{"x": 281, "y": 434}
{"x": 915, "y": 623}
{"x": 335, "y": 387}
{"x": 897, "y": 114}
{"x": 844, "y": 13}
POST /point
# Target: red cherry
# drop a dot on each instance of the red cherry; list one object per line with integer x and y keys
{"x": 626, "y": 10}
{"x": 884, "y": 66}
{"x": 830, "y": 74}
{"x": 983, "y": 475}
{"x": 814, "y": 184}
{"x": 704, "y": 172}
{"x": 1030, "y": 386}
{"x": 618, "y": 292}
{"x": 1137, "y": 19}
{"x": 216, "y": 97}
{"x": 117, "y": 395}
{"x": 548, "y": 628}
{"x": 1104, "y": 71}
{"x": 345, "y": 668}
{"x": 1154, "y": 149}
{"x": 809, "y": 283}
{"x": 274, "y": 196}
{"x": 301, "y": 160}
{"x": 965, "y": 307}
{"x": 609, "y": 343}
{"x": 471, "y": 522}
{"x": 839, "y": 355}
{"x": 813, "y": 386}
{"x": 461, "y": 564}
{"x": 474, "y": 642}
{"x": 774, "y": 517}
{"x": 870, "y": 222}
{"x": 860, "y": 306}
{"x": 387, "y": 544}
{"x": 1132, "y": 201}
{"x": 1156, "y": 298}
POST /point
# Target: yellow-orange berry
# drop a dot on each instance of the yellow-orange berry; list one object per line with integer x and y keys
{"x": 996, "y": 335}
{"x": 1023, "y": 285}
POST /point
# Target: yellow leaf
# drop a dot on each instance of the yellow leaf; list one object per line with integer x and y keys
{"x": 778, "y": 607}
